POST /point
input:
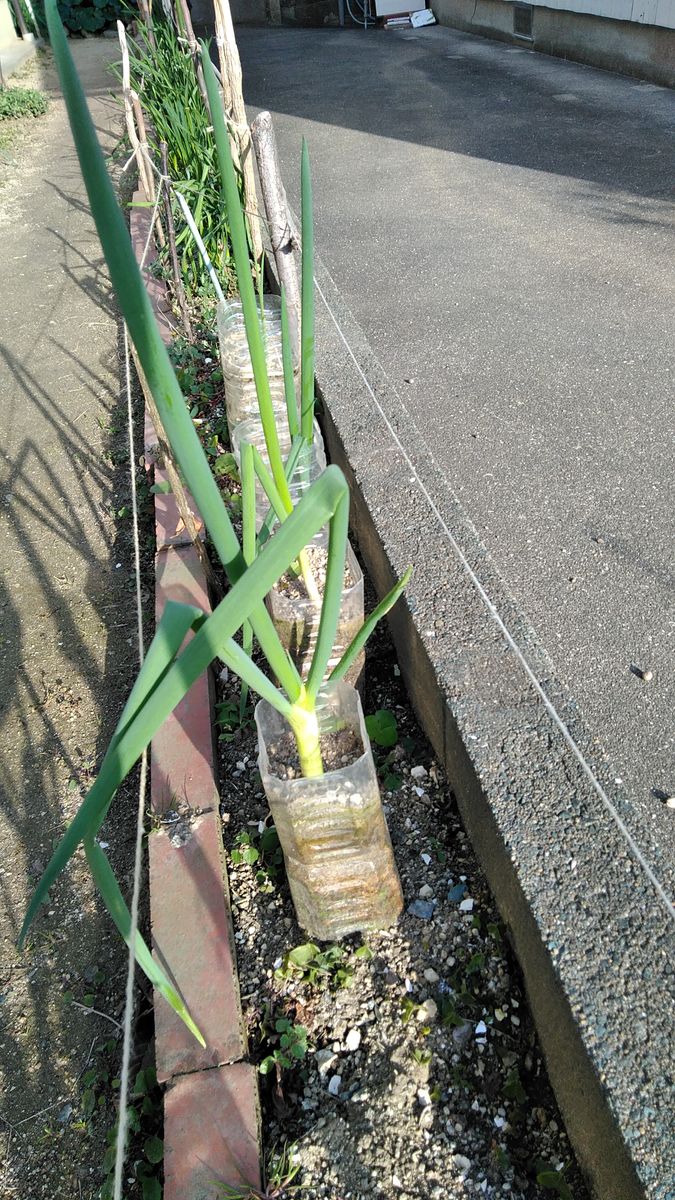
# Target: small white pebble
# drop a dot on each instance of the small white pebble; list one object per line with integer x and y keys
{"x": 427, "y": 1011}
{"x": 670, "y": 802}
{"x": 334, "y": 1084}
{"x": 499, "y": 1122}
{"x": 353, "y": 1039}
{"x": 396, "y": 1182}
{"x": 426, "y": 859}
{"x": 430, "y": 975}
{"x": 466, "y": 905}
{"x": 424, "y": 1097}
{"x": 418, "y": 772}
{"x": 481, "y": 1027}
{"x": 426, "y": 891}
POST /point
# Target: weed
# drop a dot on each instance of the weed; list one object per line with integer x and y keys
{"x": 282, "y": 1168}
{"x": 553, "y": 1179}
{"x": 513, "y": 1088}
{"x": 421, "y": 1056}
{"x": 408, "y": 1009}
{"x": 21, "y": 102}
{"x": 144, "y": 1114}
{"x": 229, "y": 720}
{"x": 329, "y": 967}
{"x": 261, "y": 847}
{"x": 291, "y": 1049}
{"x": 382, "y": 728}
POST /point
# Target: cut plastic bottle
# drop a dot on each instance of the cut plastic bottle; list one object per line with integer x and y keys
{"x": 339, "y": 859}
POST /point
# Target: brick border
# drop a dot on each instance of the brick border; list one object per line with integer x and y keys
{"x": 211, "y": 1108}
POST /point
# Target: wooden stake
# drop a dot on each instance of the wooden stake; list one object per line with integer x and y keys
{"x": 133, "y": 114}
{"x": 146, "y": 17}
{"x": 276, "y": 209}
{"x": 186, "y": 514}
{"x": 231, "y": 72}
{"x": 171, "y": 236}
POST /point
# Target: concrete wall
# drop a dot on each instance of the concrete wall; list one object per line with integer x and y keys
{"x": 8, "y": 35}
{"x": 635, "y": 49}
{"x": 248, "y": 12}
{"x": 309, "y": 12}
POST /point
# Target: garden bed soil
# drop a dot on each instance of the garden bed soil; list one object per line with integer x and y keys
{"x": 423, "y": 1077}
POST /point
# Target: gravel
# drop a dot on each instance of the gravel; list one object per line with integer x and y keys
{"x": 423, "y": 1076}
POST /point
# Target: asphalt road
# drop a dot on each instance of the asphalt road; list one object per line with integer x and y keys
{"x": 500, "y": 225}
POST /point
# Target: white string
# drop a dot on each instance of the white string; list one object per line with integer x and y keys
{"x": 492, "y": 610}
{"x": 122, "y": 1122}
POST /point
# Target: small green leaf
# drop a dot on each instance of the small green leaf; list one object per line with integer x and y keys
{"x": 153, "y": 1148}
{"x": 391, "y": 782}
{"x": 554, "y": 1181}
{"x": 268, "y": 1064}
{"x": 302, "y": 956}
{"x": 382, "y": 728}
{"x": 151, "y": 1188}
{"x": 363, "y": 952}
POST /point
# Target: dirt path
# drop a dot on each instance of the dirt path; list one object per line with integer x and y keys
{"x": 68, "y": 641}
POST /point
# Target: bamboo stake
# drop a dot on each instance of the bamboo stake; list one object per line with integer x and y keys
{"x": 184, "y": 17}
{"x": 186, "y": 514}
{"x": 278, "y": 223}
{"x": 171, "y": 237}
{"x": 144, "y": 156}
{"x": 232, "y": 80}
{"x": 146, "y": 17}
{"x": 133, "y": 113}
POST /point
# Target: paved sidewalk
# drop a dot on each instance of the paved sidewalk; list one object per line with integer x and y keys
{"x": 500, "y": 225}
{"x": 67, "y": 622}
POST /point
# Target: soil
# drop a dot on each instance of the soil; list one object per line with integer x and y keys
{"x": 293, "y": 586}
{"x": 339, "y": 749}
{"x": 423, "y": 1076}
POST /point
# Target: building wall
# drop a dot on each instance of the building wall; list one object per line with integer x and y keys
{"x": 643, "y": 12}
{"x": 630, "y": 46}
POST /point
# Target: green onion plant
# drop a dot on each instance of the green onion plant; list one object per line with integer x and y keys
{"x": 165, "y": 79}
{"x": 167, "y": 671}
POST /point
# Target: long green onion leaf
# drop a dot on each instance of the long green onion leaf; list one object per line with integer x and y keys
{"x": 332, "y": 593}
{"x": 242, "y": 263}
{"x": 329, "y": 495}
{"x": 307, "y": 351}
{"x": 114, "y": 901}
{"x": 289, "y": 374}
{"x": 356, "y": 645}
{"x": 135, "y": 306}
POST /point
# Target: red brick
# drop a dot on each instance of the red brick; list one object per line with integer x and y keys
{"x": 211, "y": 1133}
{"x": 193, "y": 940}
{"x": 191, "y": 923}
{"x": 140, "y": 221}
{"x": 169, "y": 528}
{"x": 150, "y": 441}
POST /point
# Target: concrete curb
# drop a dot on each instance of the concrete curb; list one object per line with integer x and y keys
{"x": 211, "y": 1110}
{"x": 539, "y": 801}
